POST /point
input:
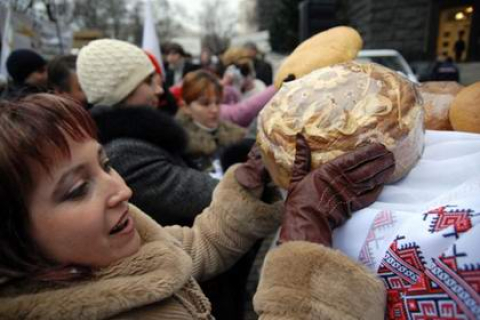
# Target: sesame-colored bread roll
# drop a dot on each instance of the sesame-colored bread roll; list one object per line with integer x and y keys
{"x": 465, "y": 109}
{"x": 335, "y": 45}
{"x": 437, "y": 98}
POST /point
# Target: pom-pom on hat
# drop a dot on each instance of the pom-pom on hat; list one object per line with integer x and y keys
{"x": 23, "y": 62}
{"x": 109, "y": 70}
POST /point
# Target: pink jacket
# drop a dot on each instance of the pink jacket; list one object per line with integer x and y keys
{"x": 244, "y": 112}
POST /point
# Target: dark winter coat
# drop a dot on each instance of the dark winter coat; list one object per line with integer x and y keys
{"x": 263, "y": 71}
{"x": 188, "y": 67}
{"x": 18, "y": 91}
{"x": 145, "y": 147}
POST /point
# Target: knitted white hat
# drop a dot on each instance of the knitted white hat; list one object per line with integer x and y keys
{"x": 109, "y": 70}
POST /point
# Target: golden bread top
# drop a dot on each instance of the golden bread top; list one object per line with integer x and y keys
{"x": 338, "y": 108}
{"x": 335, "y": 45}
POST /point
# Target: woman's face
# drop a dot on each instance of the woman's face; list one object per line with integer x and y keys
{"x": 147, "y": 93}
{"x": 79, "y": 211}
{"x": 206, "y": 110}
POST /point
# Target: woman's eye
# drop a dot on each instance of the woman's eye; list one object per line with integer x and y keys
{"x": 78, "y": 192}
{"x": 107, "y": 165}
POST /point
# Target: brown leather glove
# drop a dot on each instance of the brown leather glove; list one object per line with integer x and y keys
{"x": 252, "y": 174}
{"x": 321, "y": 200}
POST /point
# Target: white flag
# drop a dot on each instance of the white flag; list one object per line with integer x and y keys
{"x": 150, "y": 40}
{"x": 6, "y": 42}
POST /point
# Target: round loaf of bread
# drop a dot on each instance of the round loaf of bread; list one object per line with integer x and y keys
{"x": 437, "y": 97}
{"x": 337, "y": 109}
{"x": 465, "y": 109}
{"x": 335, "y": 45}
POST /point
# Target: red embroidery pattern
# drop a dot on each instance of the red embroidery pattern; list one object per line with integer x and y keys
{"x": 382, "y": 220}
{"x": 440, "y": 290}
{"x": 447, "y": 216}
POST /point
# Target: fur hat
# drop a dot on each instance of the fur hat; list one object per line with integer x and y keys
{"x": 23, "y": 62}
{"x": 109, "y": 70}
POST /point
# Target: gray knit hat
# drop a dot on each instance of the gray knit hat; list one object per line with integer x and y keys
{"x": 109, "y": 70}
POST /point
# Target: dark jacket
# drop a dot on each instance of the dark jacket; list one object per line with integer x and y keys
{"x": 167, "y": 103}
{"x": 263, "y": 71}
{"x": 187, "y": 67}
{"x": 145, "y": 146}
{"x": 15, "y": 91}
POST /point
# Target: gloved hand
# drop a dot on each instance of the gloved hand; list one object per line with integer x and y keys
{"x": 252, "y": 174}
{"x": 320, "y": 200}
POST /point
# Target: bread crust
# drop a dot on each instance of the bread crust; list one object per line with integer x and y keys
{"x": 437, "y": 98}
{"x": 465, "y": 109}
{"x": 335, "y": 45}
{"x": 337, "y": 109}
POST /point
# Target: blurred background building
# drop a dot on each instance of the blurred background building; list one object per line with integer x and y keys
{"x": 421, "y": 30}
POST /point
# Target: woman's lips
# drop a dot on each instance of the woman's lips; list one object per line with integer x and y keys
{"x": 124, "y": 225}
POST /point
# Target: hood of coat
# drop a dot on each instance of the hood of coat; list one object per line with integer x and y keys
{"x": 142, "y": 123}
{"x": 201, "y": 141}
{"x": 159, "y": 269}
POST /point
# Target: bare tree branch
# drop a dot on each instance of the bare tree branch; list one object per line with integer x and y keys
{"x": 218, "y": 25}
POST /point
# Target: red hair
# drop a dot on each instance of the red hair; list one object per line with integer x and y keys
{"x": 35, "y": 130}
{"x": 195, "y": 84}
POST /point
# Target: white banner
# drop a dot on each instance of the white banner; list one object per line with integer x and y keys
{"x": 5, "y": 31}
{"x": 150, "y": 40}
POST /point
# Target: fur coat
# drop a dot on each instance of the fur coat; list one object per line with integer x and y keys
{"x": 302, "y": 280}
{"x": 146, "y": 147}
{"x": 203, "y": 146}
{"x": 160, "y": 280}
{"x": 299, "y": 280}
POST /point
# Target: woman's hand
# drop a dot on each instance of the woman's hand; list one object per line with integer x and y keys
{"x": 320, "y": 200}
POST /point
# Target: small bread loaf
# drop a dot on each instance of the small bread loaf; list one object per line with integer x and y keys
{"x": 465, "y": 109}
{"x": 437, "y": 99}
{"x": 336, "y": 45}
{"x": 337, "y": 109}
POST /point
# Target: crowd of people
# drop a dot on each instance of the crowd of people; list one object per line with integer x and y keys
{"x": 130, "y": 191}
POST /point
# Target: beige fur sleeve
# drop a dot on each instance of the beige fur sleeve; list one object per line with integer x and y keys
{"x": 227, "y": 228}
{"x": 302, "y": 280}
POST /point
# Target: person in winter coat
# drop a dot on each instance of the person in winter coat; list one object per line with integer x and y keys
{"x": 177, "y": 64}
{"x": 242, "y": 113}
{"x": 263, "y": 68}
{"x": 166, "y": 100}
{"x": 63, "y": 79}
{"x": 240, "y": 72}
{"x": 73, "y": 247}
{"x": 200, "y": 117}
{"x": 28, "y": 72}
{"x": 144, "y": 145}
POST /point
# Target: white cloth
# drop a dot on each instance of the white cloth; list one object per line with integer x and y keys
{"x": 447, "y": 173}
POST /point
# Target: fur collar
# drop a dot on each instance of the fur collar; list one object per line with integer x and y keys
{"x": 142, "y": 123}
{"x": 159, "y": 269}
{"x": 207, "y": 143}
